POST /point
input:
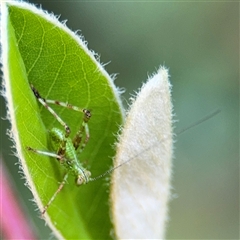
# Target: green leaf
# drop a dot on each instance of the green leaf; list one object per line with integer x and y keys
{"x": 38, "y": 49}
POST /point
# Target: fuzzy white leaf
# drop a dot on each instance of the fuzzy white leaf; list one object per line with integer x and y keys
{"x": 141, "y": 187}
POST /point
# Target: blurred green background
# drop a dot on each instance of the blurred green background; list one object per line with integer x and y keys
{"x": 199, "y": 43}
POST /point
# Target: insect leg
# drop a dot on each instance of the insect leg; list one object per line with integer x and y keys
{"x": 44, "y": 102}
{"x": 50, "y": 154}
{"x": 84, "y": 127}
{"x": 55, "y": 194}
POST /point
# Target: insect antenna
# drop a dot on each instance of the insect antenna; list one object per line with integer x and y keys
{"x": 118, "y": 166}
{"x": 200, "y": 121}
{"x": 209, "y": 116}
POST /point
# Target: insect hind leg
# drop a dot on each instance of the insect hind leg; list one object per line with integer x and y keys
{"x": 44, "y": 102}
{"x": 84, "y": 126}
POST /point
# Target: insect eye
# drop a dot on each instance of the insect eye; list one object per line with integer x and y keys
{"x": 79, "y": 180}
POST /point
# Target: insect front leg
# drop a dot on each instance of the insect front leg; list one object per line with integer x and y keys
{"x": 61, "y": 159}
{"x": 55, "y": 194}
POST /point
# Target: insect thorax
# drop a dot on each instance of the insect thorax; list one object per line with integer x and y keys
{"x": 70, "y": 160}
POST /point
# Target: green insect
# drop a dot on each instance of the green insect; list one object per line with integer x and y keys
{"x": 65, "y": 149}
